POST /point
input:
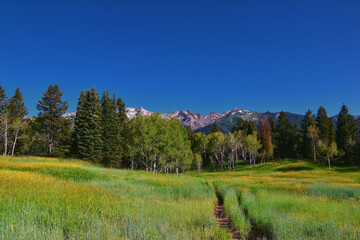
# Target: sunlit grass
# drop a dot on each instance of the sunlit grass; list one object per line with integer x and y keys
{"x": 49, "y": 198}
{"x": 122, "y": 205}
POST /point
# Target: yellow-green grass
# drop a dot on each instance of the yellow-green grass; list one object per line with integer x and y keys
{"x": 296, "y": 199}
{"x": 122, "y": 205}
{"x": 49, "y": 198}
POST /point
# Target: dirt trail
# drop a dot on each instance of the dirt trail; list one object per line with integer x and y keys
{"x": 222, "y": 220}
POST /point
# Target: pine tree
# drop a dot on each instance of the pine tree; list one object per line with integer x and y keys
{"x": 17, "y": 111}
{"x": 215, "y": 128}
{"x": 190, "y": 133}
{"x": 308, "y": 121}
{"x": 51, "y": 108}
{"x": 121, "y": 110}
{"x": 346, "y": 134}
{"x": 110, "y": 131}
{"x": 17, "y": 108}
{"x": 3, "y": 101}
{"x": 246, "y": 126}
{"x": 297, "y": 141}
{"x": 87, "y": 141}
{"x": 239, "y": 125}
{"x": 285, "y": 148}
{"x": 325, "y": 126}
{"x": 273, "y": 131}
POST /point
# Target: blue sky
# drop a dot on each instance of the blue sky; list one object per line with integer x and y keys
{"x": 197, "y": 55}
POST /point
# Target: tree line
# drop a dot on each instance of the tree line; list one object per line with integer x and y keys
{"x": 102, "y": 133}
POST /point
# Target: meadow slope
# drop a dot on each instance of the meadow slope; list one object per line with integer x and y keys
{"x": 48, "y": 198}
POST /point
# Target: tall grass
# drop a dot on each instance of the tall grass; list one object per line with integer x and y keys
{"x": 297, "y": 216}
{"x": 124, "y": 205}
{"x": 49, "y": 198}
{"x": 233, "y": 211}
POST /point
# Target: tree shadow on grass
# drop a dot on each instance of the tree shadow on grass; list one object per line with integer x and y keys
{"x": 294, "y": 168}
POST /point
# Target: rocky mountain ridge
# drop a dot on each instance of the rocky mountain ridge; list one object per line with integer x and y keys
{"x": 203, "y": 123}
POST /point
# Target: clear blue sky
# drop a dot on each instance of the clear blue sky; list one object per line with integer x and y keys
{"x": 197, "y": 55}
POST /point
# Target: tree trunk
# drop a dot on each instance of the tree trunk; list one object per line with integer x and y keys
{"x": 314, "y": 148}
{"x": 329, "y": 161}
{"x": 16, "y": 137}
{"x": 5, "y": 136}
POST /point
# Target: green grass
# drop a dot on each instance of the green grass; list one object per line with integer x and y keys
{"x": 233, "y": 211}
{"x": 48, "y": 198}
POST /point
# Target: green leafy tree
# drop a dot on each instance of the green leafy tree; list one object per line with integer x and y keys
{"x": 313, "y": 135}
{"x": 346, "y": 134}
{"x": 17, "y": 111}
{"x": 328, "y": 150}
{"x": 4, "y": 119}
{"x": 217, "y": 147}
{"x": 197, "y": 161}
{"x": 252, "y": 145}
{"x": 51, "y": 108}
{"x": 199, "y": 145}
{"x": 232, "y": 145}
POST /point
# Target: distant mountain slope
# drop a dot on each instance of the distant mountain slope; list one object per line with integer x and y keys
{"x": 226, "y": 123}
{"x": 225, "y": 120}
{"x": 358, "y": 124}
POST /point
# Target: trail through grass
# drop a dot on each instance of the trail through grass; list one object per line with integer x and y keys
{"x": 45, "y": 198}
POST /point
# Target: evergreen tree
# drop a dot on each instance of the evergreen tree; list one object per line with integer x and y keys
{"x": 297, "y": 141}
{"x": 308, "y": 121}
{"x": 346, "y": 134}
{"x": 3, "y": 101}
{"x": 17, "y": 108}
{"x": 250, "y": 127}
{"x": 51, "y": 108}
{"x": 110, "y": 131}
{"x": 285, "y": 148}
{"x": 246, "y": 126}
{"x": 239, "y": 125}
{"x": 325, "y": 126}
{"x": 121, "y": 110}
{"x": 215, "y": 128}
{"x": 87, "y": 141}
{"x": 273, "y": 131}
{"x": 190, "y": 133}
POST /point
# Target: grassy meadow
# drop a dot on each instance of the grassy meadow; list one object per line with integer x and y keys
{"x": 48, "y": 198}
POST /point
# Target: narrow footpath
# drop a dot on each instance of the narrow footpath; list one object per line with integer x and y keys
{"x": 223, "y": 221}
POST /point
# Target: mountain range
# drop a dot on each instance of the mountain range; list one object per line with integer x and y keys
{"x": 225, "y": 120}
{"x": 204, "y": 123}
